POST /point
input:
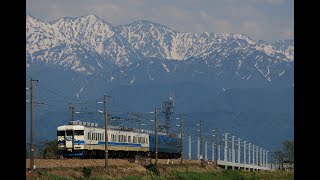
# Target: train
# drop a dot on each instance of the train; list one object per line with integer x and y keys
{"x": 87, "y": 140}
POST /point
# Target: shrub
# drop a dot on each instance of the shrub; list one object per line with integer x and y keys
{"x": 86, "y": 172}
{"x": 153, "y": 168}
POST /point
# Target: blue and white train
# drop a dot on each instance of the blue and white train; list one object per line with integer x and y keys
{"x": 87, "y": 140}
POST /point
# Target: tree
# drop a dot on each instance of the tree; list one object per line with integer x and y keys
{"x": 289, "y": 152}
{"x": 278, "y": 157}
{"x": 49, "y": 150}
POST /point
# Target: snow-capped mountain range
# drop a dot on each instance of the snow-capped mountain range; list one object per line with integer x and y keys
{"x": 91, "y": 45}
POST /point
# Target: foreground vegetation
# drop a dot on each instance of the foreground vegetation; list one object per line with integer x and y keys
{"x": 164, "y": 173}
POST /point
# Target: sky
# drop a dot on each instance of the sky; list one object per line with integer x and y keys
{"x": 268, "y": 20}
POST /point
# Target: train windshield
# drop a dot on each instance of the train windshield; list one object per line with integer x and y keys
{"x": 69, "y": 132}
{"x": 60, "y": 133}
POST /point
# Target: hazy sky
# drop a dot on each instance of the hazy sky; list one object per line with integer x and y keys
{"x": 268, "y": 20}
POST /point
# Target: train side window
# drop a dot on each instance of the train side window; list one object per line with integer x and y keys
{"x": 60, "y": 133}
{"x": 78, "y": 133}
{"x": 129, "y": 139}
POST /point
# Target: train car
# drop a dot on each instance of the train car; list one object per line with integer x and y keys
{"x": 84, "y": 140}
{"x": 168, "y": 146}
{"x": 81, "y": 139}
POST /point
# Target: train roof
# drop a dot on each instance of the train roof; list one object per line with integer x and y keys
{"x": 73, "y": 127}
{"x": 78, "y": 125}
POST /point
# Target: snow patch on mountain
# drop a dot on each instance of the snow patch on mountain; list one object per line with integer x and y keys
{"x": 165, "y": 67}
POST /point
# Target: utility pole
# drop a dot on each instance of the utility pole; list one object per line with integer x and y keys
{"x": 271, "y": 158}
{"x": 139, "y": 121}
{"x": 198, "y": 149}
{"x": 239, "y": 153}
{"x": 205, "y": 151}
{"x": 249, "y": 160}
{"x": 225, "y": 149}
{"x": 106, "y": 131}
{"x": 181, "y": 145}
{"x": 201, "y": 154}
{"x": 212, "y": 152}
{"x": 72, "y": 113}
{"x": 217, "y": 147}
{"x": 32, "y": 166}
{"x": 257, "y": 157}
{"x": 244, "y": 154}
{"x": 253, "y": 161}
{"x": 219, "y": 153}
{"x": 232, "y": 153}
{"x": 156, "y": 132}
{"x": 189, "y": 147}
{"x": 267, "y": 158}
{"x": 261, "y": 159}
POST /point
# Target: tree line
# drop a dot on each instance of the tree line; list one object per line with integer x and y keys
{"x": 284, "y": 159}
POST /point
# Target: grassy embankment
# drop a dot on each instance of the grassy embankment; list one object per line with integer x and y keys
{"x": 171, "y": 172}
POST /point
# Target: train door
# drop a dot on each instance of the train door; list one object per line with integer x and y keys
{"x": 69, "y": 139}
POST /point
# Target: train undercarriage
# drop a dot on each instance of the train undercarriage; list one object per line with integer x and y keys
{"x": 100, "y": 154}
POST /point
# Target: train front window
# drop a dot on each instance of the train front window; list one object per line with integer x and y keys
{"x": 60, "y": 133}
{"x": 78, "y": 133}
{"x": 69, "y": 132}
